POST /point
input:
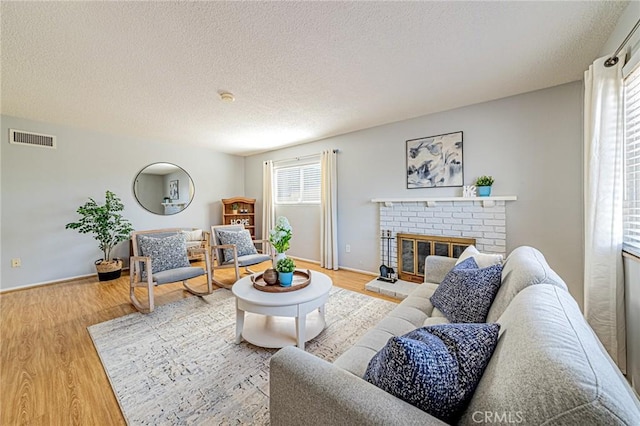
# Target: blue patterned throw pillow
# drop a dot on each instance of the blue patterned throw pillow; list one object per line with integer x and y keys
{"x": 436, "y": 368}
{"x": 241, "y": 239}
{"x": 165, "y": 253}
{"x": 466, "y": 292}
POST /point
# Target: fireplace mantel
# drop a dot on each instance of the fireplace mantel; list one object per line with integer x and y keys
{"x": 433, "y": 201}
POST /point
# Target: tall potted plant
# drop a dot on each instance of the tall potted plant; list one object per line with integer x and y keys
{"x": 108, "y": 227}
{"x": 279, "y": 237}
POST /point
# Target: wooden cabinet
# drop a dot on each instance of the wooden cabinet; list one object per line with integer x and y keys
{"x": 240, "y": 210}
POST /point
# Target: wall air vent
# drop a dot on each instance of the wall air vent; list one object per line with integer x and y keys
{"x": 20, "y": 137}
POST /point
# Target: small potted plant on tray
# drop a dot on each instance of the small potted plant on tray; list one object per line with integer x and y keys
{"x": 285, "y": 268}
{"x": 483, "y": 183}
{"x": 108, "y": 227}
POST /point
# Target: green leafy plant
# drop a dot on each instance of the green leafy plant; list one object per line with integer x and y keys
{"x": 484, "y": 181}
{"x": 234, "y": 206}
{"x": 286, "y": 265}
{"x": 281, "y": 234}
{"x": 103, "y": 221}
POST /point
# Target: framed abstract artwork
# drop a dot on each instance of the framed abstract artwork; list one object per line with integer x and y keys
{"x": 174, "y": 192}
{"x": 435, "y": 161}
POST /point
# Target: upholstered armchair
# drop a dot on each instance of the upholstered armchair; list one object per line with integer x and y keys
{"x": 233, "y": 247}
{"x": 160, "y": 257}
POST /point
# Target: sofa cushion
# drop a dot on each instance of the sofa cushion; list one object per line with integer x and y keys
{"x": 435, "y": 368}
{"x": 466, "y": 293}
{"x": 549, "y": 368}
{"x": 166, "y": 253}
{"x": 436, "y": 267}
{"x": 525, "y": 266}
{"x": 483, "y": 260}
{"x": 407, "y": 316}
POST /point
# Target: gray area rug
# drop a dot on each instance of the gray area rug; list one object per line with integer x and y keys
{"x": 180, "y": 365}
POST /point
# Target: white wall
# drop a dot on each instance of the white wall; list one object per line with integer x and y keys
{"x": 42, "y": 188}
{"x": 531, "y": 144}
{"x": 620, "y": 32}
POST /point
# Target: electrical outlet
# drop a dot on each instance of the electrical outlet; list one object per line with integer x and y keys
{"x": 347, "y": 248}
{"x": 16, "y": 263}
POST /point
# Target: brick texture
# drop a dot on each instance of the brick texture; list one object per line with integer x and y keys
{"x": 467, "y": 219}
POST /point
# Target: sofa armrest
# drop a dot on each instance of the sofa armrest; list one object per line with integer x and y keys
{"x": 436, "y": 267}
{"x": 306, "y": 390}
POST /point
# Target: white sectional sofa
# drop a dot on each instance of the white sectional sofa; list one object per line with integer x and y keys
{"x": 548, "y": 366}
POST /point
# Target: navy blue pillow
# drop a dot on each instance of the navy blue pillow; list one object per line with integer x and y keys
{"x": 467, "y": 292}
{"x": 436, "y": 368}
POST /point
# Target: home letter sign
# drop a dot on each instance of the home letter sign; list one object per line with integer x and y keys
{"x": 469, "y": 191}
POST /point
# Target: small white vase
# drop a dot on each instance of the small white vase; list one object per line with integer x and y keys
{"x": 278, "y": 257}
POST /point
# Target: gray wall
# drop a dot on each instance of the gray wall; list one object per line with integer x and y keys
{"x": 42, "y": 188}
{"x": 150, "y": 192}
{"x": 530, "y": 143}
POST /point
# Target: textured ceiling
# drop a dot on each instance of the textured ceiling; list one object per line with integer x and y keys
{"x": 300, "y": 71}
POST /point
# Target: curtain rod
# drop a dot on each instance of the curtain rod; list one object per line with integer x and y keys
{"x": 613, "y": 59}
{"x": 303, "y": 157}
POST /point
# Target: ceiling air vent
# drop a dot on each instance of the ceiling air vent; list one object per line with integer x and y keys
{"x": 20, "y": 137}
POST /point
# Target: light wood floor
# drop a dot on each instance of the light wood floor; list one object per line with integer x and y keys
{"x": 50, "y": 373}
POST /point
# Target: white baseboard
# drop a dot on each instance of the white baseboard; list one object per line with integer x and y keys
{"x": 317, "y": 262}
{"x": 360, "y": 271}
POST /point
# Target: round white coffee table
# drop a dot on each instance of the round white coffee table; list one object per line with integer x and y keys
{"x": 276, "y": 320}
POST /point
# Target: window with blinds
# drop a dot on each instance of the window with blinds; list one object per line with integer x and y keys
{"x": 631, "y": 209}
{"x": 298, "y": 184}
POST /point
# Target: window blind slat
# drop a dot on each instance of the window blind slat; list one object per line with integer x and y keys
{"x": 631, "y": 206}
{"x": 298, "y": 184}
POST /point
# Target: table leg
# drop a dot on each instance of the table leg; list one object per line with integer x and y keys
{"x": 301, "y": 325}
{"x": 323, "y": 311}
{"x": 239, "y": 324}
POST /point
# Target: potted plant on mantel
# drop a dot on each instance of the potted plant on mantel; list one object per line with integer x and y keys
{"x": 108, "y": 227}
{"x": 483, "y": 183}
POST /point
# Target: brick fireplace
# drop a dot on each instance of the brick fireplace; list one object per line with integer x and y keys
{"x": 482, "y": 219}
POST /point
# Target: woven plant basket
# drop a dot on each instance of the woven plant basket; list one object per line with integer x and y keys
{"x": 108, "y": 270}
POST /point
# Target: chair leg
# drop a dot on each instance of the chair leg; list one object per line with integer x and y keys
{"x": 237, "y": 271}
{"x": 218, "y": 282}
{"x": 198, "y": 293}
{"x": 134, "y": 300}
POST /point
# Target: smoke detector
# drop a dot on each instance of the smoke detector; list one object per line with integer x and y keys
{"x": 227, "y": 97}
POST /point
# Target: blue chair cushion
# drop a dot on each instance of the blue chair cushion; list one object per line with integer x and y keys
{"x": 466, "y": 292}
{"x": 250, "y": 259}
{"x": 435, "y": 368}
{"x": 177, "y": 274}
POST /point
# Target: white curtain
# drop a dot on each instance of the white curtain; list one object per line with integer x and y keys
{"x": 268, "y": 207}
{"x": 603, "y": 197}
{"x": 329, "y": 213}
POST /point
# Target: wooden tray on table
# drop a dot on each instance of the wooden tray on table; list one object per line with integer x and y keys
{"x": 301, "y": 279}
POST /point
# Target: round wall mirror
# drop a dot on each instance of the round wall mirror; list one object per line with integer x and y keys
{"x": 163, "y": 188}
